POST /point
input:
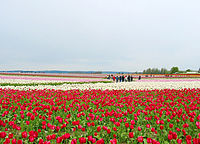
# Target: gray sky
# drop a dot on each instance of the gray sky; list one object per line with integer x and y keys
{"x": 115, "y": 35}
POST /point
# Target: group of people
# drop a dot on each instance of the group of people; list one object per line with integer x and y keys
{"x": 121, "y": 78}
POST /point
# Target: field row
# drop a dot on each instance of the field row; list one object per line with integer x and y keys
{"x": 105, "y": 85}
{"x": 37, "y": 79}
{"x": 96, "y": 116}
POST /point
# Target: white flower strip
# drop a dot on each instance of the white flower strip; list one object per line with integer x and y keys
{"x": 123, "y": 85}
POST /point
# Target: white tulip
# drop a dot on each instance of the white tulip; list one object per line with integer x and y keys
{"x": 110, "y": 86}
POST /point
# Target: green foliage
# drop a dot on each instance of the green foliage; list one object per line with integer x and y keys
{"x": 174, "y": 70}
{"x": 54, "y": 84}
{"x": 188, "y": 70}
{"x": 155, "y": 71}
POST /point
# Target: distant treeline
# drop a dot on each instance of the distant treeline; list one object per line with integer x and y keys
{"x": 173, "y": 70}
{"x": 156, "y": 71}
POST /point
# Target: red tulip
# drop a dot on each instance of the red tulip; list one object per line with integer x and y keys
{"x": 24, "y": 134}
{"x": 170, "y": 137}
{"x": 140, "y": 139}
{"x": 98, "y": 128}
{"x": 131, "y": 135}
{"x": 148, "y": 125}
{"x": 31, "y": 139}
{"x": 139, "y": 129}
{"x": 82, "y": 140}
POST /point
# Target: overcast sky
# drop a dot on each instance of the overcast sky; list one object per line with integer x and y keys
{"x": 113, "y": 35}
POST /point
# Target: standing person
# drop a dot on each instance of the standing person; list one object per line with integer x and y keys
{"x": 117, "y": 78}
{"x": 128, "y": 78}
{"x": 139, "y": 78}
{"x": 125, "y": 78}
{"x": 131, "y": 78}
{"x": 114, "y": 78}
{"x": 120, "y": 78}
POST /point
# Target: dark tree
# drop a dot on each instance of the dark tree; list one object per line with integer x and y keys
{"x": 174, "y": 70}
{"x": 188, "y": 70}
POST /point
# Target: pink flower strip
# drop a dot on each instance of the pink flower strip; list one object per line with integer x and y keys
{"x": 52, "y": 79}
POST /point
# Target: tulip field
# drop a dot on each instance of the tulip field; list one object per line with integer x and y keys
{"x": 39, "y": 79}
{"x": 100, "y": 116}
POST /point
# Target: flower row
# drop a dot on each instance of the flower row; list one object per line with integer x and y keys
{"x": 111, "y": 86}
{"x": 35, "y": 79}
{"x": 100, "y": 116}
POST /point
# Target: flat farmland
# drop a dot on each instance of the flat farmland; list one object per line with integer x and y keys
{"x": 64, "y": 110}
